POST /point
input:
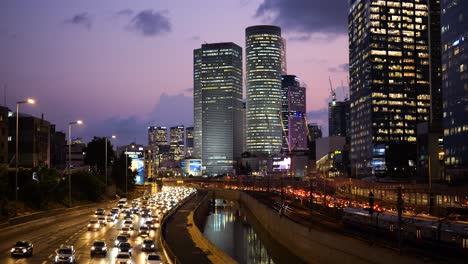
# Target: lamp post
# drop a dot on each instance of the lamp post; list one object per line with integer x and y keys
{"x": 27, "y": 101}
{"x": 106, "y": 138}
{"x": 77, "y": 122}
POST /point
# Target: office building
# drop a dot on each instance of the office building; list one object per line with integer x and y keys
{"x": 454, "y": 22}
{"x": 221, "y": 93}
{"x": 293, "y": 112}
{"x": 189, "y": 144}
{"x": 284, "y": 68}
{"x": 338, "y": 118}
{"x": 177, "y": 143}
{"x": 197, "y": 104}
{"x": 389, "y": 84}
{"x": 58, "y": 148}
{"x": 263, "y": 73}
{"x": 34, "y": 141}
{"x": 77, "y": 152}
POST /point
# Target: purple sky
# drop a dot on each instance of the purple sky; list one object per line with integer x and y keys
{"x": 124, "y": 65}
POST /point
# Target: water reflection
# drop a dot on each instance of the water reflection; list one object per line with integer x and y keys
{"x": 227, "y": 227}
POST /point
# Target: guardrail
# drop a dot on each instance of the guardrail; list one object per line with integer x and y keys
{"x": 170, "y": 256}
{"x": 21, "y": 220}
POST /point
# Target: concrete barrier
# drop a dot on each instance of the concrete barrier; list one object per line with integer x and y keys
{"x": 214, "y": 254}
{"x": 311, "y": 245}
{"x": 21, "y": 222}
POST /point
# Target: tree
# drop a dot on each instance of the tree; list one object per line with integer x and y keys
{"x": 118, "y": 173}
{"x": 96, "y": 153}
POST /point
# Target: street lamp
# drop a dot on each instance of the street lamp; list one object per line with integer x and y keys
{"x": 27, "y": 101}
{"x": 126, "y": 168}
{"x": 113, "y": 137}
{"x": 77, "y": 122}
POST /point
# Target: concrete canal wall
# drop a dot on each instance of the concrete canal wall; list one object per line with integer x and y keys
{"x": 313, "y": 246}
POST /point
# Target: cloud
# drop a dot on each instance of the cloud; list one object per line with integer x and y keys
{"x": 125, "y": 12}
{"x": 171, "y": 110}
{"x": 320, "y": 117}
{"x": 82, "y": 19}
{"x": 151, "y": 23}
{"x": 341, "y": 68}
{"x": 306, "y": 17}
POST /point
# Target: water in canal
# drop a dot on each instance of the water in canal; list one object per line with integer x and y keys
{"x": 234, "y": 230}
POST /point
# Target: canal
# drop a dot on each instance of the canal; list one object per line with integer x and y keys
{"x": 233, "y": 229}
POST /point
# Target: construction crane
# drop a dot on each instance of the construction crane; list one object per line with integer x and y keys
{"x": 332, "y": 91}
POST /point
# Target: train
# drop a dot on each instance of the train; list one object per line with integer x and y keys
{"x": 417, "y": 229}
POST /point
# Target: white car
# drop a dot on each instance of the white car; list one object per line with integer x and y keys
{"x": 123, "y": 258}
{"x": 128, "y": 223}
{"x": 65, "y": 254}
{"x": 126, "y": 232}
{"x": 153, "y": 259}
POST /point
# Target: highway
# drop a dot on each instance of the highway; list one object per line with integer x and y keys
{"x": 71, "y": 230}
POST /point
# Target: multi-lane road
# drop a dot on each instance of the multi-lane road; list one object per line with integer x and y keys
{"x": 71, "y": 230}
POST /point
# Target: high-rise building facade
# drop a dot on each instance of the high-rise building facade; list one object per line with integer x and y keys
{"x": 158, "y": 139}
{"x": 197, "y": 104}
{"x": 284, "y": 66}
{"x": 293, "y": 112}
{"x": 455, "y": 88}
{"x": 177, "y": 143}
{"x": 189, "y": 144}
{"x": 221, "y": 93}
{"x": 389, "y": 84}
{"x": 263, "y": 73}
{"x": 338, "y": 118}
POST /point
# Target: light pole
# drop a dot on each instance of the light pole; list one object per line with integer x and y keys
{"x": 106, "y": 138}
{"x": 77, "y": 122}
{"x": 27, "y": 101}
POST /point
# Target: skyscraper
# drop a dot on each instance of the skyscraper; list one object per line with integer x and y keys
{"x": 197, "y": 104}
{"x": 455, "y": 86}
{"x": 158, "y": 143}
{"x": 177, "y": 143}
{"x": 263, "y": 66}
{"x": 338, "y": 118}
{"x": 293, "y": 110}
{"x": 389, "y": 84}
{"x": 284, "y": 66}
{"x": 189, "y": 142}
{"x": 220, "y": 82}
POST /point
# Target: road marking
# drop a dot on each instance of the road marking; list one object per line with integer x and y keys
{"x": 50, "y": 256}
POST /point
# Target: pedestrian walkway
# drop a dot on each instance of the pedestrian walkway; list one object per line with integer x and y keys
{"x": 177, "y": 236}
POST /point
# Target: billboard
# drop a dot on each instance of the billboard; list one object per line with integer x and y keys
{"x": 192, "y": 167}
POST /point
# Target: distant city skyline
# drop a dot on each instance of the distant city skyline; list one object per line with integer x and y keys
{"x": 116, "y": 66}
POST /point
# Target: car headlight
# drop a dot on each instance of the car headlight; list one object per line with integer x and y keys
{"x": 144, "y": 245}
{"x": 152, "y": 246}
{"x": 24, "y": 250}
{"x": 93, "y": 248}
{"x": 104, "y": 248}
{"x": 12, "y": 250}
{"x": 56, "y": 258}
{"x": 89, "y": 225}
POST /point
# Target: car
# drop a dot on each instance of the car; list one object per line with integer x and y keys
{"x": 100, "y": 212}
{"x": 125, "y": 247}
{"x": 123, "y": 258}
{"x": 115, "y": 211}
{"x": 125, "y": 231}
{"x": 128, "y": 215}
{"x": 102, "y": 220}
{"x": 111, "y": 218}
{"x": 153, "y": 259}
{"x": 94, "y": 225}
{"x": 99, "y": 248}
{"x": 149, "y": 224}
{"x": 22, "y": 248}
{"x": 128, "y": 223}
{"x": 148, "y": 245}
{"x": 65, "y": 254}
{"x": 145, "y": 213}
{"x": 119, "y": 239}
{"x": 144, "y": 231}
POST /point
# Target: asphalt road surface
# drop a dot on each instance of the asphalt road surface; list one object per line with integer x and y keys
{"x": 72, "y": 230}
